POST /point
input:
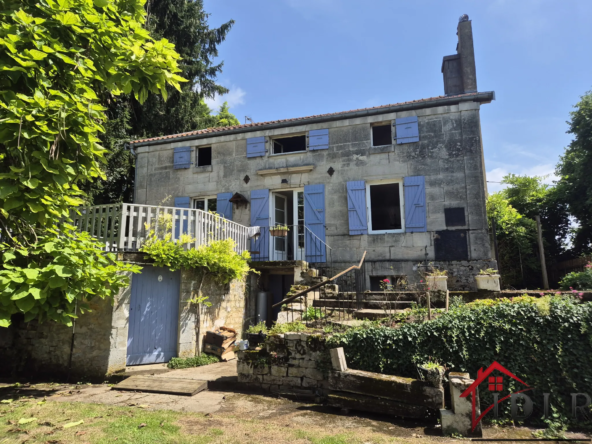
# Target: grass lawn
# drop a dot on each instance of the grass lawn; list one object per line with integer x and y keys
{"x": 34, "y": 421}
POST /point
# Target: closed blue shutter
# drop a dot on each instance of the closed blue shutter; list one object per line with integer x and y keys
{"x": 407, "y": 130}
{"x": 356, "y": 207}
{"x": 260, "y": 217}
{"x": 314, "y": 223}
{"x": 415, "y": 204}
{"x": 181, "y": 202}
{"x": 182, "y": 157}
{"x": 224, "y": 206}
{"x": 256, "y": 147}
{"x": 318, "y": 139}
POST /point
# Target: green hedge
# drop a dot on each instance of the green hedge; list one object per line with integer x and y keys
{"x": 547, "y": 343}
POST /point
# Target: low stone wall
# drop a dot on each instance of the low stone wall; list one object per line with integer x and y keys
{"x": 288, "y": 363}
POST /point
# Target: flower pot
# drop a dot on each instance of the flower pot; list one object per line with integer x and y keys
{"x": 278, "y": 233}
{"x": 255, "y": 339}
{"x": 433, "y": 376}
{"x": 490, "y": 282}
{"x": 437, "y": 283}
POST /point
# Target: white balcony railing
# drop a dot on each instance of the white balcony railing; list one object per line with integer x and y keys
{"x": 124, "y": 227}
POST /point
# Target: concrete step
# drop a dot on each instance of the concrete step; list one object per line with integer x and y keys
{"x": 373, "y": 314}
{"x": 373, "y": 295}
{"x": 345, "y": 303}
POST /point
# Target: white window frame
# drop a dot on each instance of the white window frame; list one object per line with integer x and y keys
{"x": 272, "y": 139}
{"x": 390, "y": 123}
{"x": 205, "y": 199}
{"x": 369, "y": 205}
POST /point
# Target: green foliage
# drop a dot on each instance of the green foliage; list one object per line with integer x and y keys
{"x": 257, "y": 328}
{"x": 578, "y": 280}
{"x": 57, "y": 60}
{"x": 288, "y": 327}
{"x": 575, "y": 184}
{"x": 312, "y": 314}
{"x": 196, "y": 361}
{"x": 488, "y": 272}
{"x": 556, "y": 427}
{"x": 548, "y": 351}
{"x": 225, "y": 117}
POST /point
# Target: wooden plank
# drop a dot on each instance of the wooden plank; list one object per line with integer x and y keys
{"x": 151, "y": 384}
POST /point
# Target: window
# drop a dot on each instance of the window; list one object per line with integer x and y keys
{"x": 204, "y": 156}
{"x": 206, "y": 204}
{"x": 385, "y": 213}
{"x": 289, "y": 144}
{"x": 381, "y": 135}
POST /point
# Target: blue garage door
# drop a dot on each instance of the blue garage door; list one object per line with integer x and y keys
{"x": 154, "y": 316}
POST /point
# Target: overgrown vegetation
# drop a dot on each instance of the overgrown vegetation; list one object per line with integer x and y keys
{"x": 546, "y": 343}
{"x": 578, "y": 280}
{"x": 257, "y": 328}
{"x": 195, "y": 361}
{"x": 58, "y": 59}
{"x": 288, "y": 327}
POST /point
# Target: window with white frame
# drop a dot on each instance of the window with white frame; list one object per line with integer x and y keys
{"x": 205, "y": 204}
{"x": 385, "y": 207}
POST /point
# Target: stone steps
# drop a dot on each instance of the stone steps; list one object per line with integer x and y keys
{"x": 352, "y": 304}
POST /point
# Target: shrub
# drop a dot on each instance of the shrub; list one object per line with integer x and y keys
{"x": 550, "y": 350}
{"x": 577, "y": 280}
{"x": 257, "y": 328}
{"x": 196, "y": 361}
{"x": 312, "y": 314}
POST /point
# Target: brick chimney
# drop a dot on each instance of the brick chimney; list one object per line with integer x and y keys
{"x": 460, "y": 74}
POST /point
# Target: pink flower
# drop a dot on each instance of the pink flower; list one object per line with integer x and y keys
{"x": 542, "y": 294}
{"x": 558, "y": 294}
{"x": 386, "y": 281}
{"x": 571, "y": 288}
{"x": 580, "y": 294}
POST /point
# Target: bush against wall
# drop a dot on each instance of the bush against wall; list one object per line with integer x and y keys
{"x": 578, "y": 280}
{"x": 545, "y": 342}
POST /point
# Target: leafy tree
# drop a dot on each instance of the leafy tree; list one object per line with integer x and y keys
{"x": 575, "y": 184}
{"x": 225, "y": 117}
{"x": 58, "y": 58}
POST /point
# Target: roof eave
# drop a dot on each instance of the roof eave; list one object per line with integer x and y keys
{"x": 481, "y": 97}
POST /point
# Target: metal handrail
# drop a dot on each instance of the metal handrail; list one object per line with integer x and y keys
{"x": 320, "y": 284}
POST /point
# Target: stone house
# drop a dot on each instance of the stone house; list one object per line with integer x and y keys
{"x": 403, "y": 182}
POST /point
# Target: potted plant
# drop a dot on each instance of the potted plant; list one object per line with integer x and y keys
{"x": 488, "y": 279}
{"x": 437, "y": 279}
{"x": 256, "y": 334}
{"x": 279, "y": 230}
{"x": 431, "y": 372}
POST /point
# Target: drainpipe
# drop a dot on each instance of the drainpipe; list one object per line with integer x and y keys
{"x": 72, "y": 341}
{"x": 129, "y": 146}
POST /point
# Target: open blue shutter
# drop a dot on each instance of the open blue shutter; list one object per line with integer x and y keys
{"x": 407, "y": 130}
{"x": 318, "y": 139}
{"x": 356, "y": 207}
{"x": 224, "y": 206}
{"x": 260, "y": 217}
{"x": 182, "y": 157}
{"x": 314, "y": 223}
{"x": 181, "y": 202}
{"x": 415, "y": 204}
{"x": 256, "y": 147}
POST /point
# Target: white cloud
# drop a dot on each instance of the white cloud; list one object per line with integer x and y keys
{"x": 234, "y": 97}
{"x": 496, "y": 175}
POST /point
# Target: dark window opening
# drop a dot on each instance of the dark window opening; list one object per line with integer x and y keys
{"x": 289, "y": 145}
{"x": 202, "y": 204}
{"x": 394, "y": 283}
{"x": 381, "y": 135}
{"x": 455, "y": 217}
{"x": 451, "y": 245}
{"x": 385, "y": 208}
{"x": 204, "y": 156}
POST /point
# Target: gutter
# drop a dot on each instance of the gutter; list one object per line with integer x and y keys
{"x": 483, "y": 97}
{"x": 129, "y": 146}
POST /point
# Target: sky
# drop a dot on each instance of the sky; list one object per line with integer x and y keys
{"x": 294, "y": 58}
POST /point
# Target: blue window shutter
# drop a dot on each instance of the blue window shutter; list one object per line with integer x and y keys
{"x": 407, "y": 130}
{"x": 260, "y": 217}
{"x": 182, "y": 157}
{"x": 356, "y": 206}
{"x": 415, "y": 204}
{"x": 256, "y": 147}
{"x": 181, "y": 202}
{"x": 318, "y": 139}
{"x": 314, "y": 223}
{"x": 224, "y": 206}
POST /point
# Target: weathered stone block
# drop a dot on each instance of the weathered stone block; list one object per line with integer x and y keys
{"x": 338, "y": 359}
{"x": 376, "y": 405}
{"x": 311, "y": 383}
{"x": 261, "y": 370}
{"x": 296, "y": 372}
{"x": 313, "y": 373}
{"x": 279, "y": 371}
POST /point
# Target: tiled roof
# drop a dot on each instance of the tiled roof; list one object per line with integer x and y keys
{"x": 253, "y": 126}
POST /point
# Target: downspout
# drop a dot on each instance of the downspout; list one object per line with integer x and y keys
{"x": 72, "y": 341}
{"x": 130, "y": 147}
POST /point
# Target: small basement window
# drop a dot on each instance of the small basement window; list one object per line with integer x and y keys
{"x": 384, "y": 207}
{"x": 289, "y": 144}
{"x": 206, "y": 204}
{"x": 381, "y": 135}
{"x": 204, "y": 156}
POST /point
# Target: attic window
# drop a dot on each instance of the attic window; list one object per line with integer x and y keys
{"x": 381, "y": 135}
{"x": 204, "y": 156}
{"x": 289, "y": 144}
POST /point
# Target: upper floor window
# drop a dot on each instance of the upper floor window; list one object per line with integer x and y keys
{"x": 292, "y": 144}
{"x": 204, "y": 156}
{"x": 385, "y": 207}
{"x": 206, "y": 204}
{"x": 382, "y": 134}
